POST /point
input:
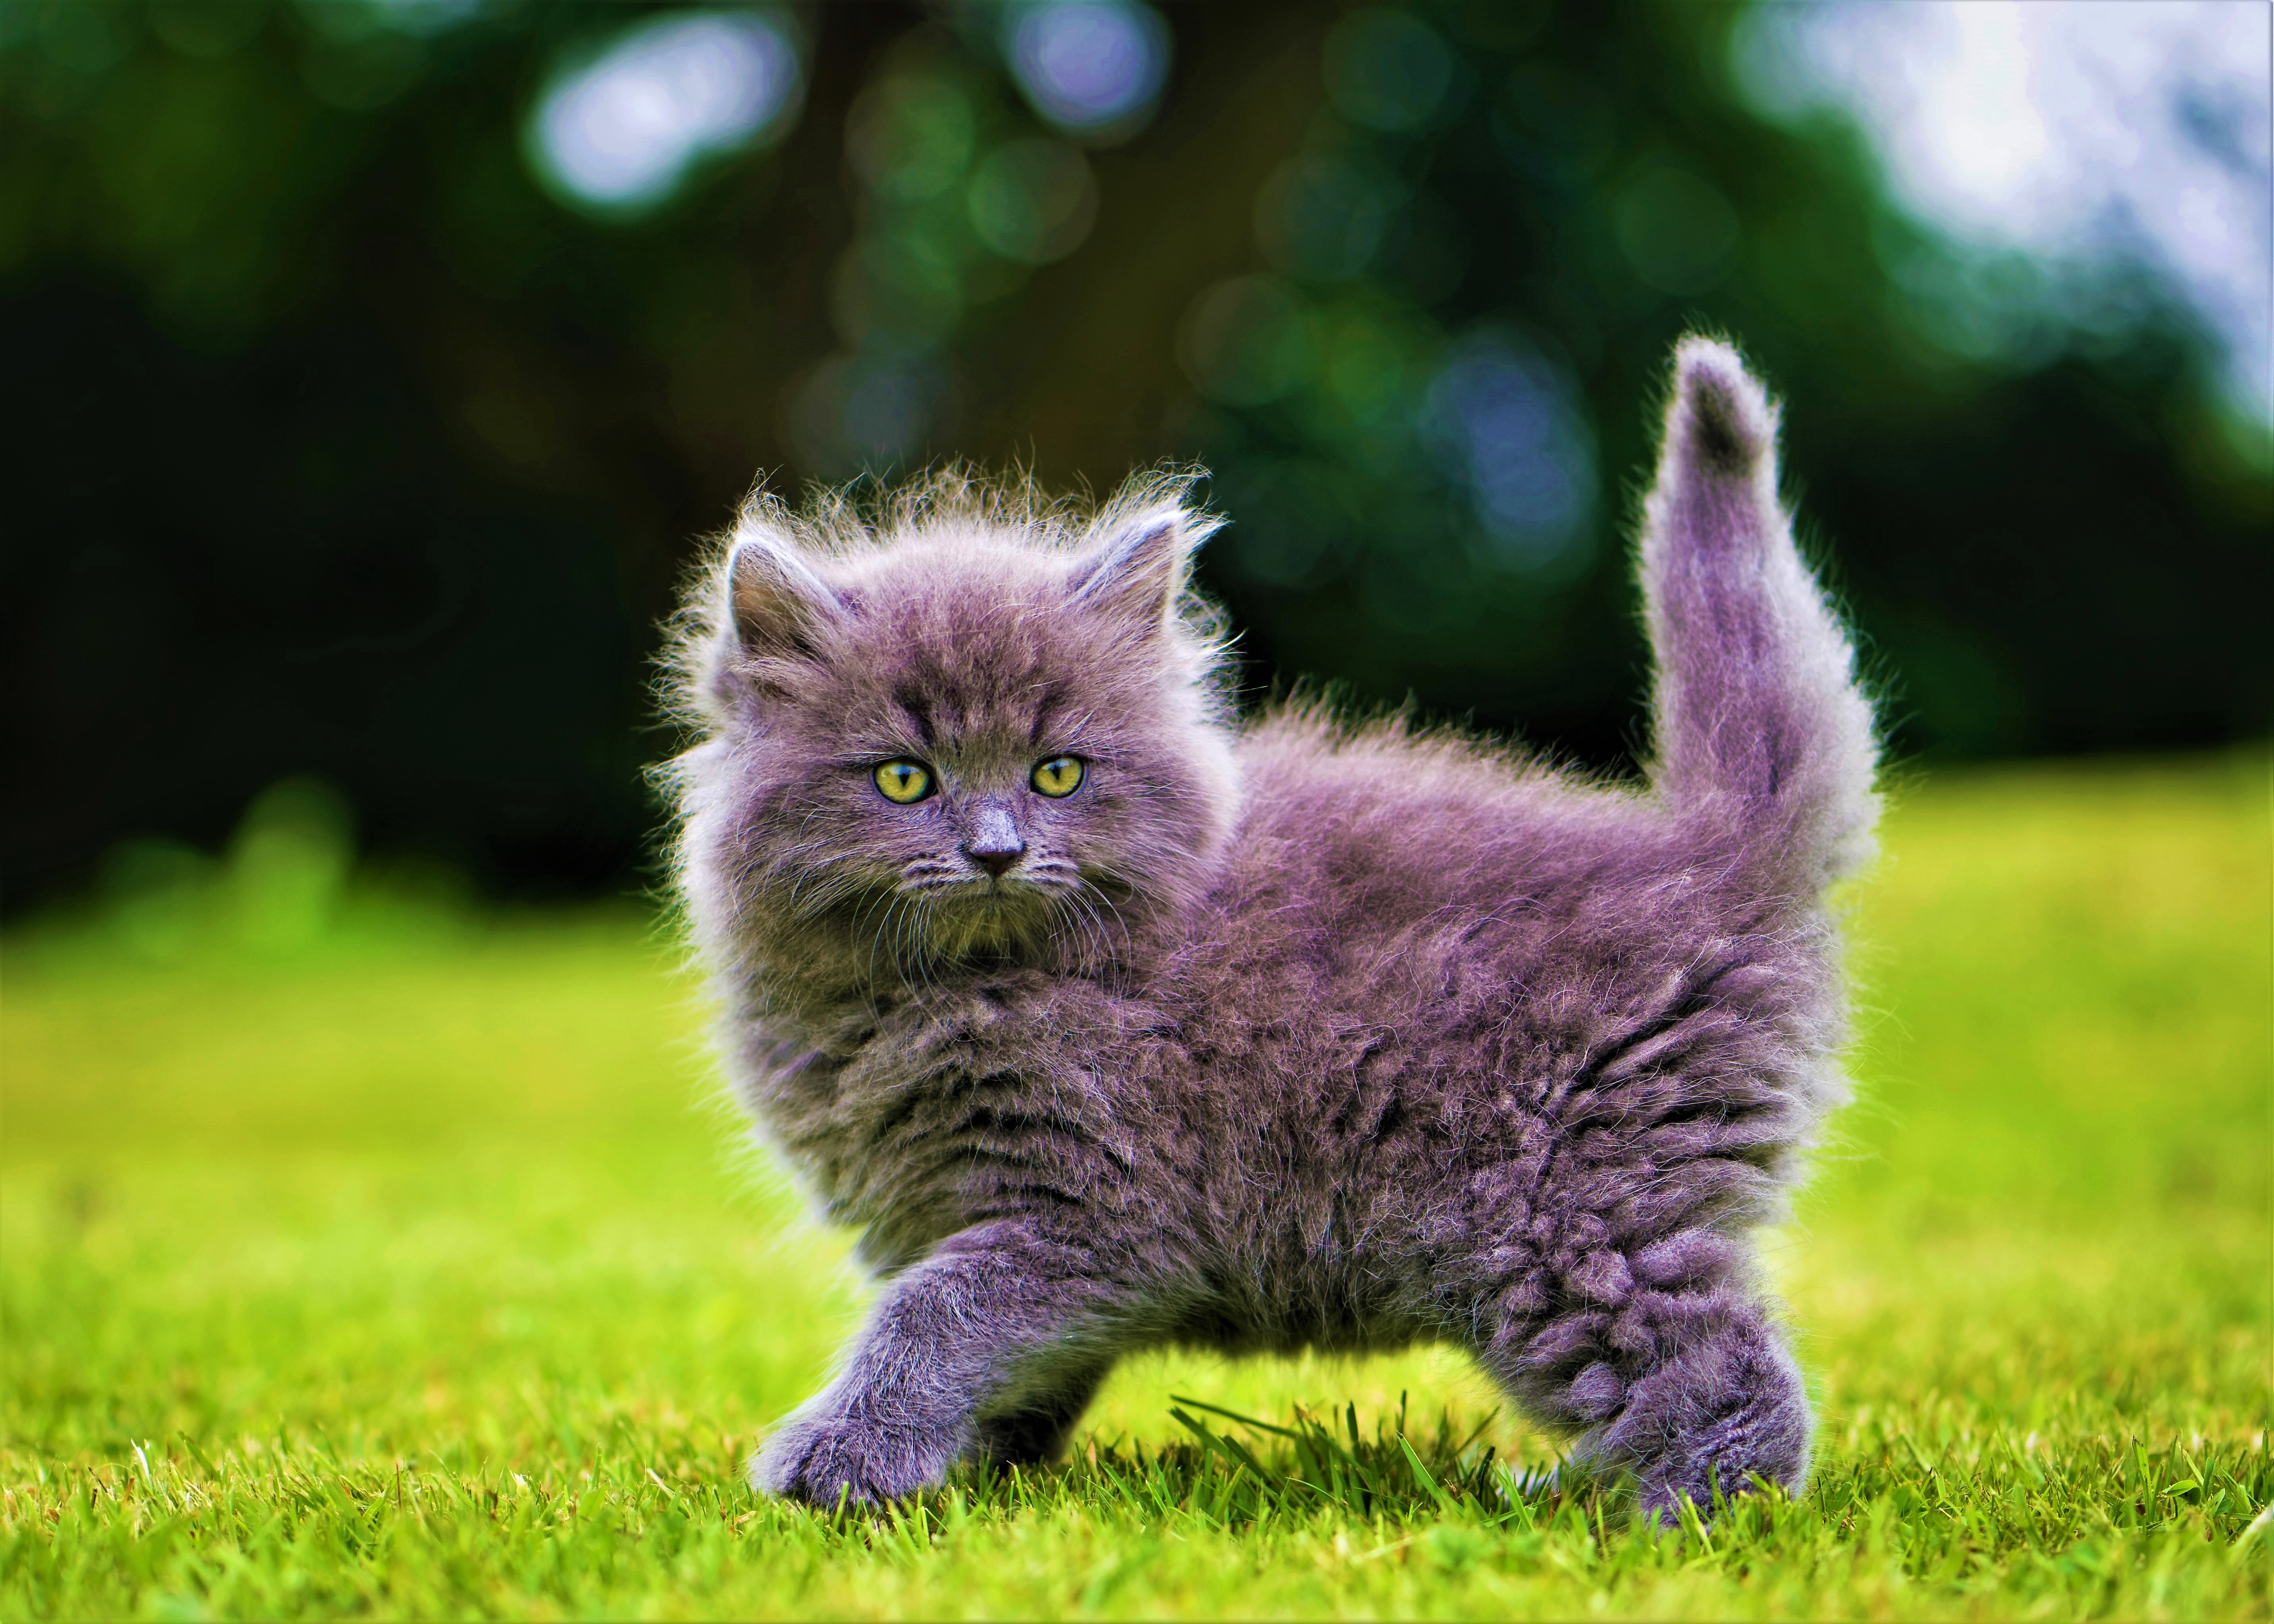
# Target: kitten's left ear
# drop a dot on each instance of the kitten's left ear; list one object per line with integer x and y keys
{"x": 1137, "y": 572}
{"x": 778, "y": 606}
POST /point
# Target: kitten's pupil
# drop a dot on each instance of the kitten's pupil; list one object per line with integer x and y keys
{"x": 903, "y": 781}
{"x": 1061, "y": 775}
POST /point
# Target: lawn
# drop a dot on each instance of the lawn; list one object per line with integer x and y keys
{"x": 362, "y": 1253}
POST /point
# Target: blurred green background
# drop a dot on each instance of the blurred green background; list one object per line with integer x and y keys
{"x": 375, "y": 367}
{"x": 376, "y": 363}
{"x": 386, "y": 1258}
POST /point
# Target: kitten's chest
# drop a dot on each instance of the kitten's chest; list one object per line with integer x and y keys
{"x": 916, "y": 1113}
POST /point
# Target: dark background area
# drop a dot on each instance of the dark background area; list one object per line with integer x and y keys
{"x": 340, "y": 445}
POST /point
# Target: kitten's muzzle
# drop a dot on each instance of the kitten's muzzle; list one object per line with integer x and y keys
{"x": 994, "y": 843}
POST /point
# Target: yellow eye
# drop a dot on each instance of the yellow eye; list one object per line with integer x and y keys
{"x": 903, "y": 781}
{"x": 1060, "y": 776}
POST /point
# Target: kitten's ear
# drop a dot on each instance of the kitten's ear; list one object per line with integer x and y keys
{"x": 780, "y": 608}
{"x": 1137, "y": 571}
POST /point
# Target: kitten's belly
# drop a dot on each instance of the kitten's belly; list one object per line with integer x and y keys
{"x": 1220, "y": 1335}
{"x": 1305, "y": 1308}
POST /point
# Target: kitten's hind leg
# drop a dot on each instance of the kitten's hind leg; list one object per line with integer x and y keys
{"x": 1689, "y": 1391}
{"x": 1035, "y": 1429}
{"x": 1725, "y": 1405}
{"x": 986, "y": 1316}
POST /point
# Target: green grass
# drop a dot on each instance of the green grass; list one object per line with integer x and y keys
{"x": 366, "y": 1257}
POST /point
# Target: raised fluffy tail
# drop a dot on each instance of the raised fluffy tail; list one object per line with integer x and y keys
{"x": 1762, "y": 732}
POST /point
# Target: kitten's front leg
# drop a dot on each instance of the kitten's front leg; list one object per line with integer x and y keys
{"x": 988, "y": 1321}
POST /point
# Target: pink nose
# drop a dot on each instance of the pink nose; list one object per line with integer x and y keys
{"x": 994, "y": 842}
{"x": 996, "y": 860}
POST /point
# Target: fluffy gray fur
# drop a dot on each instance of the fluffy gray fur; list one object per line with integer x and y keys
{"x": 1276, "y": 1035}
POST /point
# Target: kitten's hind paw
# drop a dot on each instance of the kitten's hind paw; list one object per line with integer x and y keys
{"x": 828, "y": 1458}
{"x": 1726, "y": 1410}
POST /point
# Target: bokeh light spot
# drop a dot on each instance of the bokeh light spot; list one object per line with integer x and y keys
{"x": 1032, "y": 200}
{"x": 2094, "y": 139}
{"x": 1386, "y": 69}
{"x": 356, "y": 19}
{"x": 1370, "y": 369}
{"x": 1552, "y": 123}
{"x": 618, "y": 133}
{"x": 898, "y": 290}
{"x": 1245, "y": 342}
{"x": 862, "y": 411}
{"x": 1511, "y": 420}
{"x": 210, "y": 32}
{"x": 1091, "y": 67}
{"x": 1298, "y": 523}
{"x": 1679, "y": 233}
{"x": 362, "y": 74}
{"x": 911, "y": 137}
{"x": 1327, "y": 217}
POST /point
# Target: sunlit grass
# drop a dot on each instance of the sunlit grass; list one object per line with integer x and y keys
{"x": 359, "y": 1256}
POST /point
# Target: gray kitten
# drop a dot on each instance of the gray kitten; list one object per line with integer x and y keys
{"x": 1109, "y": 1021}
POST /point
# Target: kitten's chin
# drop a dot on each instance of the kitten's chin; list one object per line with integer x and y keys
{"x": 989, "y": 920}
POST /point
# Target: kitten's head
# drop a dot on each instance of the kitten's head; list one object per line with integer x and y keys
{"x": 981, "y": 728}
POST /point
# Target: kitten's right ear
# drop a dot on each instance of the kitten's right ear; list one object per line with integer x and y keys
{"x": 780, "y": 608}
{"x": 1137, "y": 571}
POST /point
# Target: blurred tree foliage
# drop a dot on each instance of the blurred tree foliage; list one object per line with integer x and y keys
{"x": 344, "y": 446}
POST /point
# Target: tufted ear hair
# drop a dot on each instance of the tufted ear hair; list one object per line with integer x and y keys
{"x": 1136, "y": 571}
{"x": 779, "y": 607}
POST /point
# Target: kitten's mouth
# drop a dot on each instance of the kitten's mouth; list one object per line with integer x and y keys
{"x": 990, "y": 894}
{"x": 991, "y": 887}
{"x": 978, "y": 911}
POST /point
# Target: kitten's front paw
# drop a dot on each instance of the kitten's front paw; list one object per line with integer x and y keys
{"x": 827, "y": 1458}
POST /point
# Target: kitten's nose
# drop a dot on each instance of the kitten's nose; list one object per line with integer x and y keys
{"x": 994, "y": 843}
